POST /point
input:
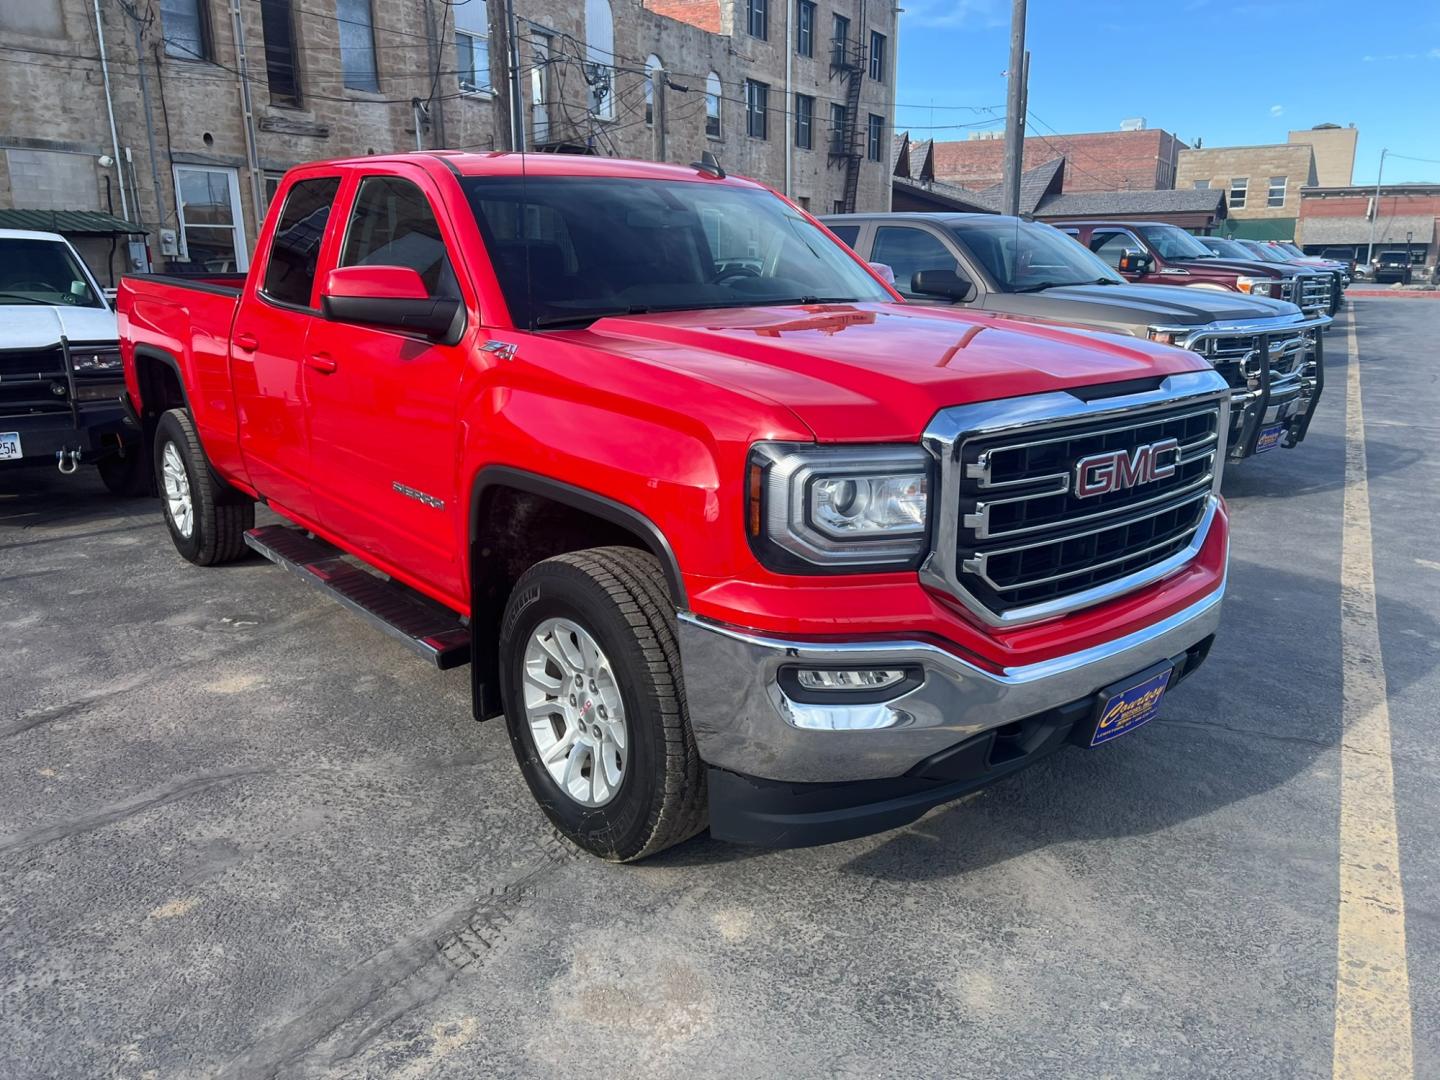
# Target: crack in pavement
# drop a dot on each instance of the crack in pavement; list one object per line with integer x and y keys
{"x": 1255, "y": 732}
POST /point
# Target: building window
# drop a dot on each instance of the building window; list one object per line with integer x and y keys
{"x": 472, "y": 46}
{"x": 840, "y": 42}
{"x": 804, "y": 121}
{"x": 1276, "y": 195}
{"x": 877, "y": 56}
{"x": 803, "y": 201}
{"x": 295, "y": 249}
{"x": 277, "y": 21}
{"x": 652, "y": 62}
{"x": 357, "y": 44}
{"x": 1238, "y": 189}
{"x": 805, "y": 28}
{"x": 186, "y": 29}
{"x": 874, "y": 136}
{"x": 757, "y": 18}
{"x": 540, "y": 51}
{"x": 600, "y": 58}
{"x": 1202, "y": 185}
{"x": 712, "y": 105}
{"x": 757, "y": 97}
{"x": 207, "y": 201}
{"x": 839, "y": 207}
{"x": 838, "y": 139}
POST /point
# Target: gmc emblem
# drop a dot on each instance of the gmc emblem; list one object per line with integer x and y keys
{"x": 1120, "y": 469}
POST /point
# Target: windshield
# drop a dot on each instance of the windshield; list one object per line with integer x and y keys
{"x": 43, "y": 272}
{"x": 1227, "y": 249}
{"x": 1266, "y": 253}
{"x": 1024, "y": 256}
{"x": 1175, "y": 243}
{"x": 1292, "y": 250}
{"x": 568, "y": 250}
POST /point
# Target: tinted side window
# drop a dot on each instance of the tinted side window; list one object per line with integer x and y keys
{"x": 848, "y": 234}
{"x": 907, "y": 252}
{"x": 290, "y": 273}
{"x": 1110, "y": 246}
{"x": 392, "y": 225}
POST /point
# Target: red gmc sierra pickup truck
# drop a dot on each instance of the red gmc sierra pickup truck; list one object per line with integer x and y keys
{"x": 727, "y": 530}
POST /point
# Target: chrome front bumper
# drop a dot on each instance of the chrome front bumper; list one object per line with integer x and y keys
{"x": 744, "y": 722}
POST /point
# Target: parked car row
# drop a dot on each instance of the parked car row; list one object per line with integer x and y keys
{"x": 1236, "y": 312}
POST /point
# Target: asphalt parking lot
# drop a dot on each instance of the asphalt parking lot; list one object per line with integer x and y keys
{"x": 242, "y": 834}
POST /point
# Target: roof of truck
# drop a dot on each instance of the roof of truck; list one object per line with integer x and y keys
{"x": 508, "y": 163}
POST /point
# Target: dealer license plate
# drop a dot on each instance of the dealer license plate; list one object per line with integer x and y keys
{"x": 10, "y": 446}
{"x": 1269, "y": 438}
{"x": 1128, "y": 709}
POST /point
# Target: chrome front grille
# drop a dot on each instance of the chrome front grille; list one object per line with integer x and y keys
{"x": 1017, "y": 542}
{"x": 1315, "y": 291}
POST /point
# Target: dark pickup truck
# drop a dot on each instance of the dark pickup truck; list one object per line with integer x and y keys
{"x": 1157, "y": 253}
{"x": 1029, "y": 270}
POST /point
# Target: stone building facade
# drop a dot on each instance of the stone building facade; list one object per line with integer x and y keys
{"x": 182, "y": 115}
{"x": 1261, "y": 185}
{"x": 1334, "y": 148}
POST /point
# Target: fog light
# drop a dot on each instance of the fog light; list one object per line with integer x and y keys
{"x": 859, "y": 679}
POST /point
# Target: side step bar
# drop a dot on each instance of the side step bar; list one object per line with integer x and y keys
{"x": 429, "y": 628}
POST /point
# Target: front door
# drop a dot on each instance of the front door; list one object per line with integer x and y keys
{"x": 265, "y": 358}
{"x": 384, "y": 437}
{"x": 1110, "y": 244}
{"x": 909, "y": 249}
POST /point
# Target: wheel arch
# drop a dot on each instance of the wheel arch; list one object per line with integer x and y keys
{"x": 503, "y": 501}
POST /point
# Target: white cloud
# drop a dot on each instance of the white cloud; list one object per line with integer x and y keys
{"x": 1434, "y": 54}
{"x": 950, "y": 14}
{"x": 1277, "y": 110}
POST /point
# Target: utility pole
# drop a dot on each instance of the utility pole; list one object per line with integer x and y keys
{"x": 1370, "y": 254}
{"x": 657, "y": 105}
{"x": 1015, "y": 110}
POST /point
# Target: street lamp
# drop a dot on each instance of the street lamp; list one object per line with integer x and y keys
{"x": 1370, "y": 255}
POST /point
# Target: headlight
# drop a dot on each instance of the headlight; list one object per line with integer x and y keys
{"x": 86, "y": 359}
{"x": 823, "y": 507}
{"x": 1254, "y": 286}
{"x": 1169, "y": 337}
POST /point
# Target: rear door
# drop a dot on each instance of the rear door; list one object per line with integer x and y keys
{"x": 266, "y": 349}
{"x": 384, "y": 433}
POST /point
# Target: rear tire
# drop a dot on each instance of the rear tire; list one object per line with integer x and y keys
{"x": 206, "y": 517}
{"x": 128, "y": 476}
{"x": 608, "y": 609}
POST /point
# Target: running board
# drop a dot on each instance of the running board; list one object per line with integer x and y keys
{"x": 429, "y": 628}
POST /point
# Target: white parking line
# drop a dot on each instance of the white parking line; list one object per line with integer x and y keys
{"x": 1372, "y": 985}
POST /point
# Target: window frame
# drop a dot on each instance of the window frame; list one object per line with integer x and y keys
{"x": 874, "y": 137}
{"x": 877, "y": 56}
{"x": 839, "y": 39}
{"x": 297, "y": 99}
{"x": 805, "y": 28}
{"x": 1201, "y": 185}
{"x": 354, "y": 192}
{"x": 206, "y": 33}
{"x": 804, "y": 121}
{"x": 757, "y": 104}
{"x": 757, "y": 17}
{"x": 479, "y": 41}
{"x": 236, "y": 226}
{"x": 649, "y": 86}
{"x": 1270, "y": 192}
{"x": 374, "y": 54}
{"x": 717, "y": 96}
{"x": 1244, "y": 189}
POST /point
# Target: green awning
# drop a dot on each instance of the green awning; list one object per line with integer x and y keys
{"x": 1259, "y": 228}
{"x": 69, "y": 222}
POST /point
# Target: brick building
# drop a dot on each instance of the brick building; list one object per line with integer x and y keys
{"x": 1343, "y": 217}
{"x": 1142, "y": 160}
{"x": 213, "y": 101}
{"x": 1261, "y": 185}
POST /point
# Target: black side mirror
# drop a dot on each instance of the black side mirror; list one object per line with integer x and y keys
{"x": 1136, "y": 262}
{"x": 951, "y": 284}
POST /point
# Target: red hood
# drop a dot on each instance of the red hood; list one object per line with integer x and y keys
{"x": 880, "y": 372}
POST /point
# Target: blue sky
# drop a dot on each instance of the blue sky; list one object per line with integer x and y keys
{"x": 1230, "y": 72}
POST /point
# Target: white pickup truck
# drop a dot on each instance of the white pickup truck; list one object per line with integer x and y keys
{"x": 61, "y": 380}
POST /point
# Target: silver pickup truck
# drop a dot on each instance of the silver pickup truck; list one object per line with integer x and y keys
{"x": 1029, "y": 270}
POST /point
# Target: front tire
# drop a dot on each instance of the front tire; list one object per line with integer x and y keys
{"x": 207, "y": 519}
{"x": 128, "y": 476}
{"x": 595, "y": 705}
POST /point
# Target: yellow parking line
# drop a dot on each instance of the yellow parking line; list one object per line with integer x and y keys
{"x": 1372, "y": 985}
